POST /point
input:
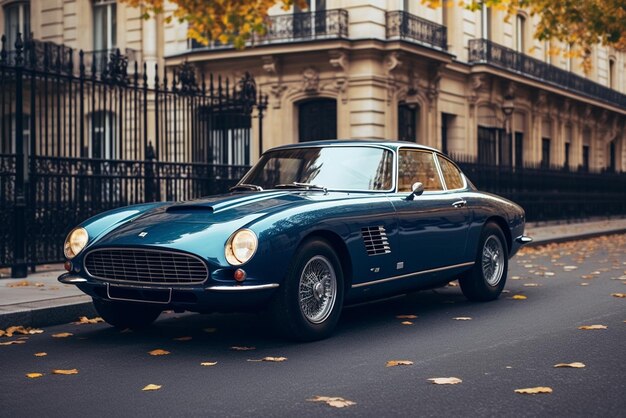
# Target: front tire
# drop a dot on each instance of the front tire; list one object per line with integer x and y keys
{"x": 308, "y": 304}
{"x": 126, "y": 315}
{"x": 486, "y": 280}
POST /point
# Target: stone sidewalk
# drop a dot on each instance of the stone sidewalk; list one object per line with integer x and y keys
{"x": 40, "y": 300}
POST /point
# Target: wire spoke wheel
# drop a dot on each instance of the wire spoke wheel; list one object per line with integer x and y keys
{"x": 317, "y": 290}
{"x": 493, "y": 261}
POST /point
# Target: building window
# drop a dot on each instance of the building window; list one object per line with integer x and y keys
{"x": 104, "y": 25}
{"x": 487, "y": 144}
{"x": 16, "y": 20}
{"x": 102, "y": 135}
{"x": 519, "y": 149}
{"x": 585, "y": 166}
{"x": 612, "y": 157}
{"x": 567, "y": 158}
{"x": 612, "y": 81}
{"x": 317, "y": 119}
{"x": 545, "y": 152}
{"x": 308, "y": 22}
{"x": 520, "y": 33}
{"x": 407, "y": 122}
{"x": 485, "y": 22}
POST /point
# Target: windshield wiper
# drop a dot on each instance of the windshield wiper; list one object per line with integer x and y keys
{"x": 296, "y": 185}
{"x": 245, "y": 186}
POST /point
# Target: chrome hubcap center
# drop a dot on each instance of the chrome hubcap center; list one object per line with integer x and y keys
{"x": 318, "y": 291}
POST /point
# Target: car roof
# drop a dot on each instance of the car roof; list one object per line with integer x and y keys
{"x": 389, "y": 144}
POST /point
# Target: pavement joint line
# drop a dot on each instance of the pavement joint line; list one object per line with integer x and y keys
{"x": 65, "y": 309}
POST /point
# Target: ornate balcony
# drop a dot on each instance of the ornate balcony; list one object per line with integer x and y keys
{"x": 403, "y": 25}
{"x": 483, "y": 51}
{"x": 306, "y": 26}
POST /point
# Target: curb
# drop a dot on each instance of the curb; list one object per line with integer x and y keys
{"x": 69, "y": 309}
{"x": 576, "y": 237}
{"x": 46, "y": 313}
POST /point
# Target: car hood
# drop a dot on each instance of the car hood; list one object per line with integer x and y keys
{"x": 189, "y": 226}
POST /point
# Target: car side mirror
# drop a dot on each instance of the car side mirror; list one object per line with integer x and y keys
{"x": 418, "y": 189}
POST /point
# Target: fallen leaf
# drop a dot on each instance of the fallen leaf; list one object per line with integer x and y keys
{"x": 462, "y": 318}
{"x": 208, "y": 363}
{"x": 152, "y": 387}
{"x": 406, "y": 316}
{"x": 62, "y": 335}
{"x": 453, "y": 284}
{"x": 407, "y": 323}
{"x": 518, "y": 297}
{"x": 574, "y": 365}
{"x": 85, "y": 320}
{"x": 271, "y": 359}
{"x": 242, "y": 348}
{"x": 570, "y": 268}
{"x": 65, "y": 372}
{"x": 183, "y": 338}
{"x": 18, "y": 329}
{"x": 33, "y": 375}
{"x": 335, "y": 402}
{"x": 531, "y": 285}
{"x": 532, "y": 391}
{"x": 619, "y": 295}
{"x": 210, "y": 330}
{"x": 23, "y": 283}
{"x": 593, "y": 327}
{"x": 393, "y": 363}
{"x": 445, "y": 380}
{"x": 41, "y": 354}
{"x": 13, "y": 342}
{"x": 584, "y": 284}
{"x": 158, "y": 352}
{"x": 548, "y": 273}
{"x": 516, "y": 278}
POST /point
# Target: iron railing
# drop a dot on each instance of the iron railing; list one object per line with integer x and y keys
{"x": 75, "y": 142}
{"x": 304, "y": 26}
{"x": 550, "y": 193}
{"x": 99, "y": 62}
{"x": 483, "y": 51}
{"x": 404, "y": 25}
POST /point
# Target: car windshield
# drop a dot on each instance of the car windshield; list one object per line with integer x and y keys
{"x": 338, "y": 168}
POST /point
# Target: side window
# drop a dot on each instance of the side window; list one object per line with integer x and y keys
{"x": 451, "y": 174}
{"x": 416, "y": 166}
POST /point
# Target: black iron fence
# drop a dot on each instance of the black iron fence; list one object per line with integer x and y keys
{"x": 488, "y": 52}
{"x": 551, "y": 194}
{"x": 80, "y": 135}
{"x": 303, "y": 26}
{"x": 404, "y": 25}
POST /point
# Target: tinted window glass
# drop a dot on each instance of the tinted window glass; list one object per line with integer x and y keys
{"x": 417, "y": 166}
{"x": 451, "y": 175}
{"x": 339, "y": 168}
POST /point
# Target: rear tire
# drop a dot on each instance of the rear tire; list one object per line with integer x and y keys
{"x": 308, "y": 304}
{"x": 486, "y": 280}
{"x": 126, "y": 315}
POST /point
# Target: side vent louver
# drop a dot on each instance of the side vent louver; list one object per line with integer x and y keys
{"x": 375, "y": 239}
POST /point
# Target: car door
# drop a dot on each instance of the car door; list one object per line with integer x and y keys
{"x": 432, "y": 228}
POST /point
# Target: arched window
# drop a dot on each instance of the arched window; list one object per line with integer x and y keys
{"x": 16, "y": 19}
{"x": 408, "y": 117}
{"x": 317, "y": 119}
{"x": 612, "y": 75}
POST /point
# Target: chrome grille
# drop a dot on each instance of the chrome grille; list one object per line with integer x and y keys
{"x": 145, "y": 266}
{"x": 375, "y": 239}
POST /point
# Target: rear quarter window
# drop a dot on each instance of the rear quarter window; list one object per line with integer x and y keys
{"x": 451, "y": 174}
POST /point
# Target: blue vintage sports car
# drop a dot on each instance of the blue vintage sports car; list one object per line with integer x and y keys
{"x": 308, "y": 229}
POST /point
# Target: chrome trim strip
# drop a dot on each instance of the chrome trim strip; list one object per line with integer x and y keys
{"x": 146, "y": 249}
{"x": 169, "y": 300}
{"x": 242, "y": 288}
{"x": 388, "y": 279}
{"x": 524, "y": 239}
{"x": 69, "y": 279}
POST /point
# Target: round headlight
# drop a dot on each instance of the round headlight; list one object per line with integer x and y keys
{"x": 240, "y": 247}
{"x": 75, "y": 242}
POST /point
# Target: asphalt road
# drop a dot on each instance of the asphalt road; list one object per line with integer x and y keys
{"x": 508, "y": 344}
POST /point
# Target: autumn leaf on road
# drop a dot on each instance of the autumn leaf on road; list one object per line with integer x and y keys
{"x": 462, "y": 318}
{"x": 406, "y": 323}
{"x": 62, "y": 335}
{"x": 393, "y": 363}
{"x": 406, "y": 316}
{"x": 18, "y": 329}
{"x": 590, "y": 327}
{"x": 619, "y": 295}
{"x": 151, "y": 387}
{"x": 241, "y": 348}
{"x": 271, "y": 359}
{"x": 158, "y": 352}
{"x": 531, "y": 285}
{"x": 335, "y": 402}
{"x": 208, "y": 363}
{"x": 519, "y": 297}
{"x": 85, "y": 320}
{"x": 535, "y": 390}
{"x": 445, "y": 380}
{"x": 65, "y": 372}
{"x": 570, "y": 268}
{"x": 40, "y": 354}
{"x": 13, "y": 342}
{"x": 574, "y": 365}
{"x": 33, "y": 375}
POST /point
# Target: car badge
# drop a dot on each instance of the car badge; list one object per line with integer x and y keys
{"x": 143, "y": 234}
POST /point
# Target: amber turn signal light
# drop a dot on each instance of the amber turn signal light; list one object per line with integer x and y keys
{"x": 68, "y": 265}
{"x": 240, "y": 275}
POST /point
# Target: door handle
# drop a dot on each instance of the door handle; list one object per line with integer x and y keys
{"x": 460, "y": 204}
